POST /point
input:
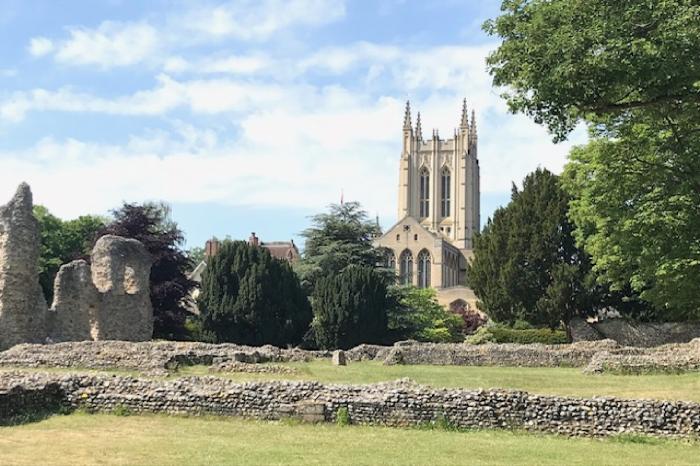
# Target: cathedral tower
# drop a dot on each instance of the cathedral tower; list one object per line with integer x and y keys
{"x": 439, "y": 180}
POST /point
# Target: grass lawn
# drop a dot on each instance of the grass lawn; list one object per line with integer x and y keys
{"x": 559, "y": 381}
{"x": 80, "y": 439}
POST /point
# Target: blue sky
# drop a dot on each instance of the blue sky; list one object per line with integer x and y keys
{"x": 245, "y": 115}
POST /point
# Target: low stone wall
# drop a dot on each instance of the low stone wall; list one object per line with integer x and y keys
{"x": 506, "y": 354}
{"x": 159, "y": 357}
{"x": 18, "y": 401}
{"x": 675, "y": 358}
{"x": 401, "y": 403}
{"x": 639, "y": 334}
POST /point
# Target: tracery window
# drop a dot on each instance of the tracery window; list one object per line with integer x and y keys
{"x": 424, "y": 269}
{"x": 406, "y": 268}
{"x": 445, "y": 192}
{"x": 424, "y": 200}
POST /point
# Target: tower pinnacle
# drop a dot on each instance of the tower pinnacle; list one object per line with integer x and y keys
{"x": 419, "y": 129}
{"x": 407, "y": 116}
{"x": 465, "y": 116}
{"x": 472, "y": 128}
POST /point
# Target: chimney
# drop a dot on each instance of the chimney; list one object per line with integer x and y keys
{"x": 211, "y": 248}
{"x": 253, "y": 240}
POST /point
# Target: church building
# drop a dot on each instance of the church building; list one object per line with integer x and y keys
{"x": 438, "y": 210}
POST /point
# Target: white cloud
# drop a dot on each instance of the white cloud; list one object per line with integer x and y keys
{"x": 260, "y": 19}
{"x": 110, "y": 44}
{"x": 40, "y": 46}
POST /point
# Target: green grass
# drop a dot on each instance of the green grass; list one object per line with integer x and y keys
{"x": 556, "y": 381}
{"x": 81, "y": 439}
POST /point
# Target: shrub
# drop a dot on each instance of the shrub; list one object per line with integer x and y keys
{"x": 416, "y": 315}
{"x": 503, "y": 334}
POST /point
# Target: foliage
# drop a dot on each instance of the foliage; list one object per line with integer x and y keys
{"x": 636, "y": 204}
{"x": 416, "y": 315}
{"x": 171, "y": 288}
{"x": 630, "y": 70}
{"x": 196, "y": 254}
{"x": 526, "y": 265}
{"x": 600, "y": 60}
{"x": 342, "y": 416}
{"x": 504, "y": 334}
{"x": 338, "y": 239}
{"x": 62, "y": 241}
{"x": 471, "y": 318}
{"x": 350, "y": 308}
{"x": 251, "y": 298}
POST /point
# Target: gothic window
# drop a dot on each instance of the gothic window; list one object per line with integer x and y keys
{"x": 390, "y": 260}
{"x": 445, "y": 182}
{"x": 424, "y": 201}
{"x": 424, "y": 269}
{"x": 406, "y": 268}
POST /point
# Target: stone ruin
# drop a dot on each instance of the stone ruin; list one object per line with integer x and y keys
{"x": 107, "y": 299}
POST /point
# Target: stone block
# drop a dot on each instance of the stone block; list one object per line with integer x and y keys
{"x": 338, "y": 358}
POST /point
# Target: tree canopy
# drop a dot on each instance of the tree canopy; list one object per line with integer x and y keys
{"x": 171, "y": 288}
{"x": 249, "y": 297}
{"x": 630, "y": 71}
{"x": 597, "y": 60}
{"x": 339, "y": 238}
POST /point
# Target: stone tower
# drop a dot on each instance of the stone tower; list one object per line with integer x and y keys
{"x": 439, "y": 180}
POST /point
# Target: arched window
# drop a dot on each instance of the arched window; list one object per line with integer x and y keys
{"x": 391, "y": 260}
{"x": 424, "y": 201}
{"x": 445, "y": 181}
{"x": 406, "y": 268}
{"x": 424, "y": 269}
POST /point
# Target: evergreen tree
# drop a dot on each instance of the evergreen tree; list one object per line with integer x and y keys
{"x": 350, "y": 308}
{"x": 527, "y": 266}
{"x": 338, "y": 239}
{"x": 170, "y": 286}
{"x": 249, "y": 297}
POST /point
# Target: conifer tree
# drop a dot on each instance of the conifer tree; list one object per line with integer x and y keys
{"x": 350, "y": 308}
{"x": 249, "y": 297}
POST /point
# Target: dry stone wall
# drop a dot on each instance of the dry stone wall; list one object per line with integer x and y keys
{"x": 400, "y": 403}
{"x": 109, "y": 299}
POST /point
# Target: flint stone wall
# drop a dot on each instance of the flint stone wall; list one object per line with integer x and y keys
{"x": 399, "y": 403}
{"x": 108, "y": 300}
{"x": 505, "y": 354}
{"x": 162, "y": 356}
{"x": 640, "y": 334}
{"x": 22, "y": 304}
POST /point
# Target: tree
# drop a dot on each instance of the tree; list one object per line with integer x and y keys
{"x": 249, "y": 297}
{"x": 635, "y": 202}
{"x": 597, "y": 60}
{"x": 171, "y": 288}
{"x": 350, "y": 308}
{"x": 526, "y": 264}
{"x": 196, "y": 254}
{"x": 629, "y": 70}
{"x": 417, "y": 315}
{"x": 338, "y": 239}
{"x": 61, "y": 242}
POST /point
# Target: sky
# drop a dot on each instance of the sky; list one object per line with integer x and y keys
{"x": 246, "y": 115}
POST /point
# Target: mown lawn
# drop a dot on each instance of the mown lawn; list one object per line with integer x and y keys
{"x": 83, "y": 439}
{"x": 559, "y": 381}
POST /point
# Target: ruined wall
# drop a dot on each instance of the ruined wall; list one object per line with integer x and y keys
{"x": 400, "y": 403}
{"x": 109, "y": 299}
{"x": 22, "y": 305}
{"x": 629, "y": 333}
